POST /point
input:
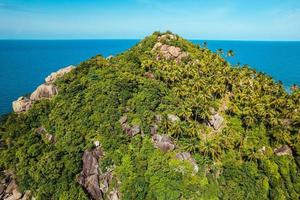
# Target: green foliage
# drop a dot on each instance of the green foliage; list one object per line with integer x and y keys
{"x": 235, "y": 162}
{"x": 243, "y": 181}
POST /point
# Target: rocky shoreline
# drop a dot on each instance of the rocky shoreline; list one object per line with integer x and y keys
{"x": 45, "y": 91}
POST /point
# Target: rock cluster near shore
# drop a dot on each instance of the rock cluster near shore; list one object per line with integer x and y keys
{"x": 55, "y": 75}
{"x": 22, "y": 104}
{"x": 45, "y": 91}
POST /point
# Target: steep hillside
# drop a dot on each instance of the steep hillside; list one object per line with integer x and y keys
{"x": 164, "y": 120}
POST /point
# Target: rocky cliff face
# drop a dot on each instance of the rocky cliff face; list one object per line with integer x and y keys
{"x": 89, "y": 177}
{"x": 96, "y": 182}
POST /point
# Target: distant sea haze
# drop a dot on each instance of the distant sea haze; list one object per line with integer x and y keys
{"x": 25, "y": 63}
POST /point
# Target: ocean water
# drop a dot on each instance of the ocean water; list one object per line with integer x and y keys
{"x": 25, "y": 63}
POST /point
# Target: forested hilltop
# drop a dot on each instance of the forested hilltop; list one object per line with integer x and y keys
{"x": 166, "y": 119}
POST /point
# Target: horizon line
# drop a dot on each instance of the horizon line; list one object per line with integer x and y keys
{"x": 190, "y": 39}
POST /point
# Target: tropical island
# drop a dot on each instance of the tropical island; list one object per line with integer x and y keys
{"x": 166, "y": 119}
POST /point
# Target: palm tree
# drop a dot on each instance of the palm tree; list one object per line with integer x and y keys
{"x": 253, "y": 155}
{"x": 294, "y": 87}
{"x": 230, "y": 53}
{"x": 220, "y": 51}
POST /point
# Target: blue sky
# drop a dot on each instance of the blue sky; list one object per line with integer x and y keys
{"x": 202, "y": 19}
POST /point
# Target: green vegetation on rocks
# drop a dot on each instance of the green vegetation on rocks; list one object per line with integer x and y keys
{"x": 173, "y": 121}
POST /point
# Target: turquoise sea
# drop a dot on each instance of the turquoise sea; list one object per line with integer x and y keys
{"x": 25, "y": 63}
